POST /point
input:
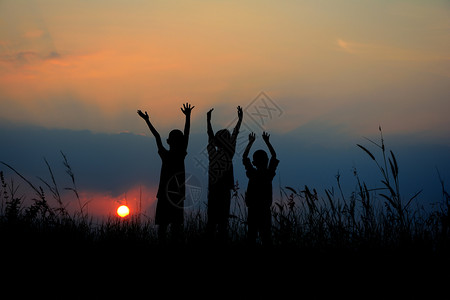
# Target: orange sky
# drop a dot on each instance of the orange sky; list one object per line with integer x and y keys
{"x": 91, "y": 64}
{"x": 139, "y": 199}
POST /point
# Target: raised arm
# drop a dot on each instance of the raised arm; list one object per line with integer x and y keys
{"x": 266, "y": 137}
{"x": 152, "y": 129}
{"x": 251, "y": 140}
{"x": 209, "y": 130}
{"x": 238, "y": 125}
{"x": 186, "y": 109}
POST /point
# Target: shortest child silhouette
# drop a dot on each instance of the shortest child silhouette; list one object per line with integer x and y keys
{"x": 258, "y": 196}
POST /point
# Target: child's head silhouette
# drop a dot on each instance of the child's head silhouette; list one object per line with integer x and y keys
{"x": 176, "y": 139}
{"x": 260, "y": 159}
{"x": 222, "y": 138}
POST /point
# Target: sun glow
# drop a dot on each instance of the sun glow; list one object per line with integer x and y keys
{"x": 123, "y": 211}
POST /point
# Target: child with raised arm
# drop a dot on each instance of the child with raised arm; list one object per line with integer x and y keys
{"x": 221, "y": 148}
{"x": 258, "y": 196}
{"x": 171, "y": 190}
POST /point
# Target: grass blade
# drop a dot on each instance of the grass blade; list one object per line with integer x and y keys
{"x": 367, "y": 151}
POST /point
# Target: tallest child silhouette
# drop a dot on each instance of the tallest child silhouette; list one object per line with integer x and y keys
{"x": 171, "y": 190}
{"x": 221, "y": 149}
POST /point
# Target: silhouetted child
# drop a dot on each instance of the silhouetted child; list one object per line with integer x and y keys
{"x": 221, "y": 149}
{"x": 171, "y": 190}
{"x": 258, "y": 197}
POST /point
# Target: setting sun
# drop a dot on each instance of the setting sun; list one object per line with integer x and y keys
{"x": 123, "y": 211}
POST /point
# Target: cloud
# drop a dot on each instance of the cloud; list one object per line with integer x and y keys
{"x": 105, "y": 162}
{"x": 111, "y": 169}
{"x": 139, "y": 198}
{"x": 345, "y": 46}
{"x": 30, "y": 57}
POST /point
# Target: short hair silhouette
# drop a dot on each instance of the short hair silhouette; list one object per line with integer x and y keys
{"x": 176, "y": 139}
{"x": 260, "y": 159}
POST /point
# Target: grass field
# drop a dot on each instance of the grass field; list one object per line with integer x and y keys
{"x": 309, "y": 226}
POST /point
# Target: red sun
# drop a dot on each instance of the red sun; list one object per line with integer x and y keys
{"x": 123, "y": 211}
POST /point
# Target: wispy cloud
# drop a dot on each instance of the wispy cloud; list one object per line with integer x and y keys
{"x": 345, "y": 46}
{"x": 29, "y": 57}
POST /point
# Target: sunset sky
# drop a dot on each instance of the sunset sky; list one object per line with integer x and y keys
{"x": 332, "y": 71}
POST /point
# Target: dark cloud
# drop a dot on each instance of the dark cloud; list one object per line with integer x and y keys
{"x": 54, "y": 54}
{"x": 28, "y": 57}
{"x": 100, "y": 161}
{"x": 115, "y": 162}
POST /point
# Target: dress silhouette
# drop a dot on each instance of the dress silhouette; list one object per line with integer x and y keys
{"x": 221, "y": 148}
{"x": 258, "y": 196}
{"x": 171, "y": 189}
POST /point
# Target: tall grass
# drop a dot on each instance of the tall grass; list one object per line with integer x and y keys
{"x": 368, "y": 219}
{"x": 378, "y": 218}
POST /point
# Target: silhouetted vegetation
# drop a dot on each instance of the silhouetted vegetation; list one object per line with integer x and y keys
{"x": 369, "y": 220}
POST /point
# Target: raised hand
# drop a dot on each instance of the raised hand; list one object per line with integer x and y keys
{"x": 251, "y": 137}
{"x": 142, "y": 115}
{"x": 266, "y": 137}
{"x": 152, "y": 129}
{"x": 240, "y": 113}
{"x": 186, "y": 109}
{"x": 208, "y": 114}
